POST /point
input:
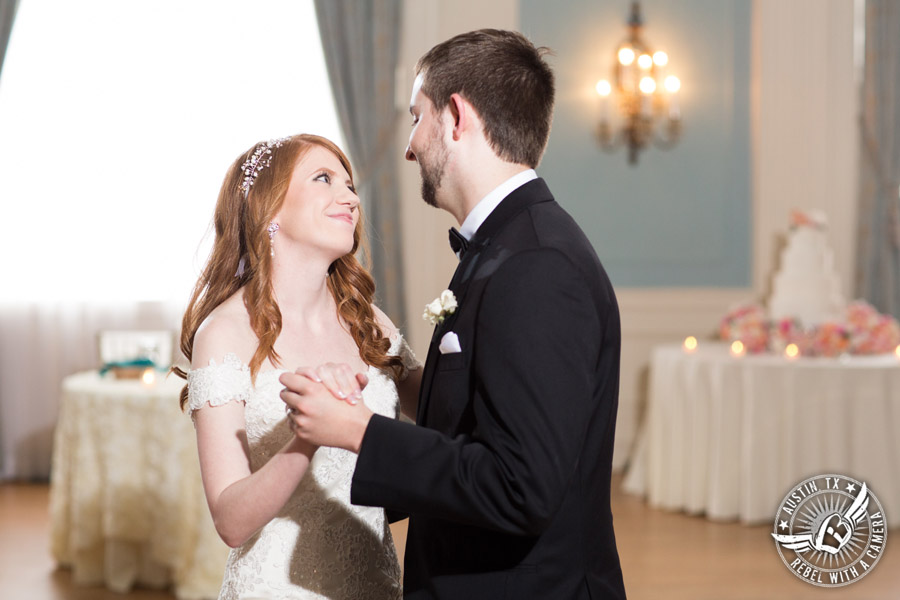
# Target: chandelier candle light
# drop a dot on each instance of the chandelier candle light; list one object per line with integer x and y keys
{"x": 646, "y": 95}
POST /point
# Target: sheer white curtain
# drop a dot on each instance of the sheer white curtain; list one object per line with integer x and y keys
{"x": 117, "y": 123}
{"x": 41, "y": 343}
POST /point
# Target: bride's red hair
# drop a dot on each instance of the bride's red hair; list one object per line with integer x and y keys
{"x": 240, "y": 231}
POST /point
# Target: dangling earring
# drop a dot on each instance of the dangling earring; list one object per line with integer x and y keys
{"x": 272, "y": 228}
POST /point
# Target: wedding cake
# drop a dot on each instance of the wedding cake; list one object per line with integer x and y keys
{"x": 807, "y": 315}
{"x": 806, "y": 286}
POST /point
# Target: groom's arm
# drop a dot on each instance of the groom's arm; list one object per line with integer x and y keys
{"x": 538, "y": 343}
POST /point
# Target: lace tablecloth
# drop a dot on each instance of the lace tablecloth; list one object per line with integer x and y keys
{"x": 126, "y": 500}
{"x": 728, "y": 437}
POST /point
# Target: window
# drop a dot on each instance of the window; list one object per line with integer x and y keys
{"x": 118, "y": 121}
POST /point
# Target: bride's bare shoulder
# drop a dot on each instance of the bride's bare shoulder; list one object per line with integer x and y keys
{"x": 384, "y": 322}
{"x": 225, "y": 330}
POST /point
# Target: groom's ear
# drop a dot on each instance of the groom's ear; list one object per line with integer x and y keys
{"x": 462, "y": 114}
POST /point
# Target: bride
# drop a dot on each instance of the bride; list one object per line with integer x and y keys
{"x": 283, "y": 288}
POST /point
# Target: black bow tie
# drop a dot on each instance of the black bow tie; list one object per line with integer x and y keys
{"x": 458, "y": 242}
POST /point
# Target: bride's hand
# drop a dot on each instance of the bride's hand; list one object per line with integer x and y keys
{"x": 339, "y": 379}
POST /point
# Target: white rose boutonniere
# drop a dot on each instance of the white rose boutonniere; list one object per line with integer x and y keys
{"x": 440, "y": 308}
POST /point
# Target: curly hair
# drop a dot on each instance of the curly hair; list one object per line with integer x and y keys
{"x": 240, "y": 233}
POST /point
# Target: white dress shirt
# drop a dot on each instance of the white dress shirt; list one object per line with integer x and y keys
{"x": 487, "y": 204}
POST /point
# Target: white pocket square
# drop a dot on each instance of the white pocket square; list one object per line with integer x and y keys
{"x": 449, "y": 343}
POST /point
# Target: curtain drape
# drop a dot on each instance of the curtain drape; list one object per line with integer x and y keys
{"x": 360, "y": 39}
{"x": 7, "y": 16}
{"x": 879, "y": 200}
{"x": 40, "y": 344}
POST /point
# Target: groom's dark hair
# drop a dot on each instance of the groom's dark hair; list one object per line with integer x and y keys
{"x": 505, "y": 78}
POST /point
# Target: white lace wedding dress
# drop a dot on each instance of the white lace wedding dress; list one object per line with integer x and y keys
{"x": 319, "y": 546}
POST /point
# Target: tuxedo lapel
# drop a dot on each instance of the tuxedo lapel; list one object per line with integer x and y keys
{"x": 459, "y": 284}
{"x": 427, "y": 378}
{"x": 531, "y": 193}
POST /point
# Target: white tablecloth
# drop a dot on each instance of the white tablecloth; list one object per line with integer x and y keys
{"x": 729, "y": 436}
{"x": 126, "y": 500}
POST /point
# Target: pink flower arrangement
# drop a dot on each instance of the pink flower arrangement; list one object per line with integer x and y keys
{"x": 861, "y": 315}
{"x": 748, "y": 324}
{"x": 790, "y": 331}
{"x": 886, "y": 335}
{"x": 800, "y": 218}
{"x": 863, "y": 331}
{"x": 830, "y": 339}
{"x": 873, "y": 334}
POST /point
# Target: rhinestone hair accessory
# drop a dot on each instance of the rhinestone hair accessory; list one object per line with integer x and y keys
{"x": 259, "y": 160}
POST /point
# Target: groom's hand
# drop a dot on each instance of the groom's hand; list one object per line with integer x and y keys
{"x": 315, "y": 417}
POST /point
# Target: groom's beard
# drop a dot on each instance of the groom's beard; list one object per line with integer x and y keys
{"x": 430, "y": 183}
{"x": 432, "y": 171}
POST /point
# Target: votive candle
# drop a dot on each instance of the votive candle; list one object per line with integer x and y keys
{"x": 148, "y": 377}
{"x": 690, "y": 344}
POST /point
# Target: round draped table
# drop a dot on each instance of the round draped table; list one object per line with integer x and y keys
{"x": 729, "y": 436}
{"x": 126, "y": 500}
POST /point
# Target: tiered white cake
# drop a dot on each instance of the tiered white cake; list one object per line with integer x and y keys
{"x": 807, "y": 286}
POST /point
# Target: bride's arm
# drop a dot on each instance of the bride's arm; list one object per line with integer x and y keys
{"x": 240, "y": 500}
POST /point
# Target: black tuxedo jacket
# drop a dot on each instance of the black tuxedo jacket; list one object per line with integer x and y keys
{"x": 506, "y": 477}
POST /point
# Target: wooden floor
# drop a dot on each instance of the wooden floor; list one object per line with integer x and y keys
{"x": 664, "y": 555}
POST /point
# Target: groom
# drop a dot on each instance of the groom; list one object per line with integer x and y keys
{"x": 506, "y": 478}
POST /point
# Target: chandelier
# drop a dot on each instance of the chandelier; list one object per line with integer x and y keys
{"x": 644, "y": 92}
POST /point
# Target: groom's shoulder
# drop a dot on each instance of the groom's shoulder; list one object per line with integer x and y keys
{"x": 550, "y": 215}
{"x": 549, "y": 225}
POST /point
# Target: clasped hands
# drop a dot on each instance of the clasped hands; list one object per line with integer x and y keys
{"x": 325, "y": 405}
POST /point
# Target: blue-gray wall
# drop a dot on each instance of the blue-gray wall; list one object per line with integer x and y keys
{"x": 680, "y": 217}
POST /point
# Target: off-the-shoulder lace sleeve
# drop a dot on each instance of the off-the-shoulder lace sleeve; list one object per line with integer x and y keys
{"x": 216, "y": 384}
{"x": 400, "y": 348}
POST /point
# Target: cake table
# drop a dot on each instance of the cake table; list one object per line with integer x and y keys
{"x": 729, "y": 436}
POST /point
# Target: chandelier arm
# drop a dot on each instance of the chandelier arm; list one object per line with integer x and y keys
{"x": 668, "y": 140}
{"x": 609, "y": 143}
{"x": 664, "y": 143}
